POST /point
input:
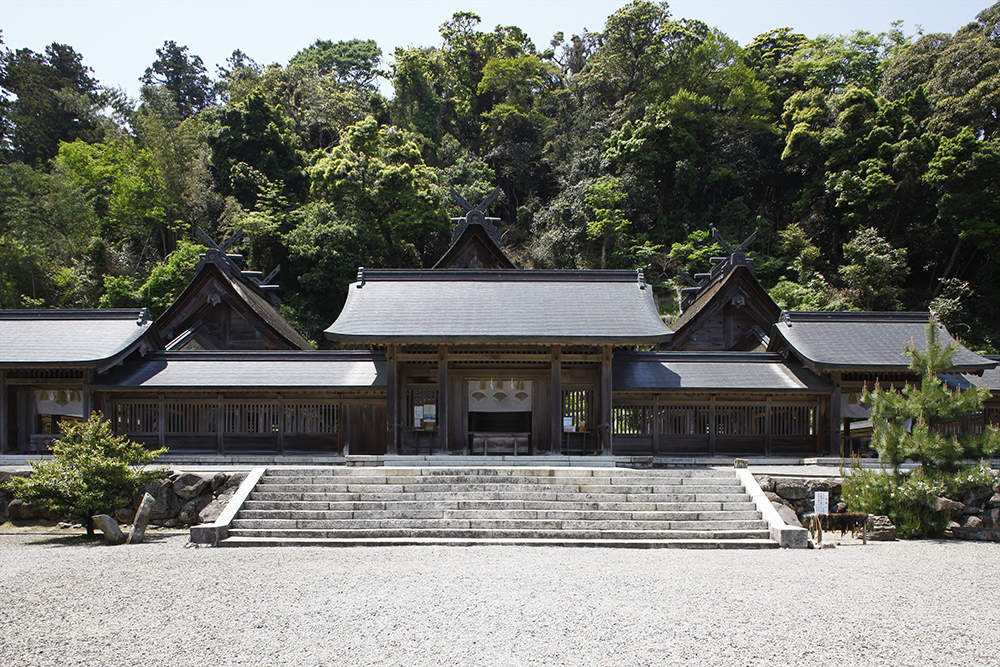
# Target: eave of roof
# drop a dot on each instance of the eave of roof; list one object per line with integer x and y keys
{"x": 990, "y": 379}
{"x": 714, "y": 372}
{"x": 63, "y": 338}
{"x": 260, "y": 370}
{"x": 510, "y": 306}
{"x": 863, "y": 341}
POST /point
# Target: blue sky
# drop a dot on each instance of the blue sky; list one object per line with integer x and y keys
{"x": 119, "y": 38}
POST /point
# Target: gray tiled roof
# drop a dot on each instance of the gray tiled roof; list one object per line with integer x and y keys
{"x": 713, "y": 371}
{"x": 989, "y": 378}
{"x": 70, "y": 337}
{"x": 500, "y": 306}
{"x": 250, "y": 370}
{"x": 863, "y": 341}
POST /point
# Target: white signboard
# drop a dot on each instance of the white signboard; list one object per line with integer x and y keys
{"x": 822, "y": 502}
{"x": 418, "y": 415}
{"x": 568, "y": 424}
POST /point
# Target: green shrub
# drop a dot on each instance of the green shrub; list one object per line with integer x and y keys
{"x": 908, "y": 501}
{"x": 93, "y": 471}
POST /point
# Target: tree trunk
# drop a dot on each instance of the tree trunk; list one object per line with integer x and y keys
{"x": 89, "y": 522}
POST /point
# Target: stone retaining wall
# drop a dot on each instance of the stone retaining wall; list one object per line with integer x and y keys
{"x": 181, "y": 499}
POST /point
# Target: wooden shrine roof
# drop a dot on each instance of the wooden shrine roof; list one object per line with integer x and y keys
{"x": 87, "y": 338}
{"x": 467, "y": 305}
{"x": 862, "y": 341}
{"x": 250, "y": 370}
{"x": 713, "y": 371}
{"x": 474, "y": 245}
{"x": 990, "y": 378}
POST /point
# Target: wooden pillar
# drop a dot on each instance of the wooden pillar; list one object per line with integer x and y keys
{"x": 161, "y": 435}
{"x": 87, "y": 374}
{"x": 220, "y": 424}
{"x": 443, "y": 402}
{"x": 555, "y": 401}
{"x": 606, "y": 397}
{"x": 656, "y": 425}
{"x": 712, "y": 426}
{"x": 767, "y": 429}
{"x": 392, "y": 396}
{"x": 3, "y": 413}
{"x": 836, "y": 442}
{"x": 281, "y": 425}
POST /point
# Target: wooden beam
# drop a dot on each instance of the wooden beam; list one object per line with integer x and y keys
{"x": 711, "y": 426}
{"x": 767, "y": 428}
{"x": 392, "y": 407}
{"x": 606, "y": 391}
{"x": 3, "y": 413}
{"x": 836, "y": 442}
{"x": 555, "y": 401}
{"x": 443, "y": 402}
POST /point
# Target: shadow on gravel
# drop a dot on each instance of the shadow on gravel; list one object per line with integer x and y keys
{"x": 93, "y": 541}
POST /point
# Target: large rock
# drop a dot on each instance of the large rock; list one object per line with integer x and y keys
{"x": 18, "y": 510}
{"x": 218, "y": 481}
{"x": 991, "y": 518}
{"x": 190, "y": 485}
{"x": 787, "y": 515}
{"x": 994, "y": 501}
{"x": 141, "y": 521}
{"x": 166, "y": 504}
{"x": 214, "y": 508}
{"x": 189, "y": 513}
{"x": 773, "y": 497}
{"x": 882, "y": 530}
{"x": 766, "y": 483}
{"x": 791, "y": 489}
{"x": 107, "y": 525}
{"x": 978, "y": 534}
{"x": 952, "y": 507}
{"x": 234, "y": 481}
{"x": 970, "y": 521}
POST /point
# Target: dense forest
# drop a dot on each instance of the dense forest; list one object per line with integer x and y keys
{"x": 868, "y": 164}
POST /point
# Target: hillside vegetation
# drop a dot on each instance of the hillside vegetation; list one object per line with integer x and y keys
{"x": 869, "y": 164}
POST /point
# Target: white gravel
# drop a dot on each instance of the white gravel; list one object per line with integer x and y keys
{"x": 905, "y": 603}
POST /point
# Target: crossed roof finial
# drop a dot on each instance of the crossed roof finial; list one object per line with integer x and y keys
{"x": 475, "y": 213}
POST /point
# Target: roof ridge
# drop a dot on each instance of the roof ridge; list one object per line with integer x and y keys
{"x": 853, "y": 316}
{"x": 556, "y": 275}
{"x": 73, "y": 313}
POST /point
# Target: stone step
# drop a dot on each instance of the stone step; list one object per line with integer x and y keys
{"x": 443, "y": 513}
{"x": 382, "y": 471}
{"x": 492, "y": 524}
{"x": 549, "y": 495}
{"x": 561, "y": 541}
{"x": 616, "y": 489}
{"x": 596, "y": 480}
{"x": 298, "y": 533}
{"x": 565, "y": 505}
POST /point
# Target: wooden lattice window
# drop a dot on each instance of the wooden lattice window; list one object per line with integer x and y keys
{"x": 250, "y": 418}
{"x": 632, "y": 419}
{"x": 793, "y": 420}
{"x": 191, "y": 418}
{"x": 741, "y": 419}
{"x": 311, "y": 418}
{"x": 576, "y": 404}
{"x": 684, "y": 419}
{"x": 136, "y": 418}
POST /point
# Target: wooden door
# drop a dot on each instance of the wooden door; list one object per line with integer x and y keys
{"x": 365, "y": 429}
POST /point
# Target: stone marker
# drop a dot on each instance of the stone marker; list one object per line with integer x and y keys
{"x": 740, "y": 463}
{"x": 141, "y": 520}
{"x": 108, "y": 526}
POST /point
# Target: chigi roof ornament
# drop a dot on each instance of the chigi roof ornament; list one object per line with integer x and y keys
{"x": 475, "y": 213}
{"x": 723, "y": 266}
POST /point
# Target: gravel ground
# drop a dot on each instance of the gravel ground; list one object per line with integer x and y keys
{"x": 63, "y": 602}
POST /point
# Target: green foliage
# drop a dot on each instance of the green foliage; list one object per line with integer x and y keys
{"x": 874, "y": 271}
{"x": 166, "y": 281}
{"x": 909, "y": 502}
{"x": 353, "y": 62}
{"x": 184, "y": 78}
{"x": 93, "y": 471}
{"x": 905, "y": 420}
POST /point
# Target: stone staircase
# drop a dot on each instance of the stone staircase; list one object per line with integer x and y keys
{"x": 341, "y": 506}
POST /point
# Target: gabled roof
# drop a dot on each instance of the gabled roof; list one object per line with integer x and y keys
{"x": 241, "y": 293}
{"x": 74, "y": 338}
{"x": 862, "y": 341}
{"x": 474, "y": 246}
{"x": 989, "y": 379}
{"x": 500, "y": 306}
{"x": 713, "y": 371}
{"x": 738, "y": 283}
{"x": 250, "y": 370}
